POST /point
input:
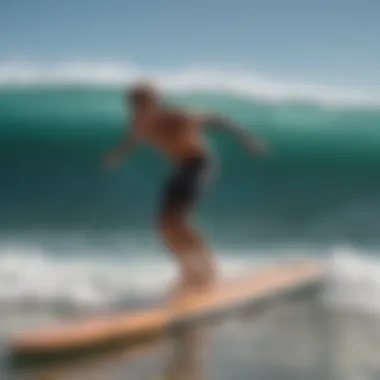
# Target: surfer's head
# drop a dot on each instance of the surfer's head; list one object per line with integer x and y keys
{"x": 143, "y": 96}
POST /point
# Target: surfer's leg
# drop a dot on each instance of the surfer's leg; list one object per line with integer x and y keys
{"x": 199, "y": 245}
{"x": 196, "y": 263}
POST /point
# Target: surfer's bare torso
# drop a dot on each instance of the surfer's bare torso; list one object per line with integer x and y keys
{"x": 174, "y": 133}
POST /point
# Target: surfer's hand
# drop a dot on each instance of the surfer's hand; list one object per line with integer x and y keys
{"x": 258, "y": 147}
{"x": 112, "y": 160}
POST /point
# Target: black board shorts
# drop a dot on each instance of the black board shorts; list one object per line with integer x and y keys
{"x": 185, "y": 186}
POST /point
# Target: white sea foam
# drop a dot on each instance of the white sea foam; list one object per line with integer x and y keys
{"x": 192, "y": 78}
{"x": 353, "y": 281}
{"x": 34, "y": 280}
{"x": 39, "y": 287}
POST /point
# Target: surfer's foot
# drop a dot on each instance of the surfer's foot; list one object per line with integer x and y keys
{"x": 181, "y": 289}
{"x": 194, "y": 279}
{"x": 203, "y": 280}
{"x": 178, "y": 290}
{"x": 178, "y": 293}
{"x": 193, "y": 285}
{"x": 210, "y": 275}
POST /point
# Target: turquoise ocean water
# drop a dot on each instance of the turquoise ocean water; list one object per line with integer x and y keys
{"x": 320, "y": 183}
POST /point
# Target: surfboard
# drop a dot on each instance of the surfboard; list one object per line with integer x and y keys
{"x": 158, "y": 321}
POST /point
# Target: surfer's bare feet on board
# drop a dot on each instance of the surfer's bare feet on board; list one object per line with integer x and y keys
{"x": 197, "y": 284}
{"x": 197, "y": 278}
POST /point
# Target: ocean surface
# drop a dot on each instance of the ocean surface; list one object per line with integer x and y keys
{"x": 76, "y": 239}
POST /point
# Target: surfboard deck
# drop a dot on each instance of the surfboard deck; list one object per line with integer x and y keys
{"x": 155, "y": 321}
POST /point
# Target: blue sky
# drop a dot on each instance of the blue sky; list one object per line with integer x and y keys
{"x": 325, "y": 41}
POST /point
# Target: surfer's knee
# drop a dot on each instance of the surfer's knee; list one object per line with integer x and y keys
{"x": 170, "y": 223}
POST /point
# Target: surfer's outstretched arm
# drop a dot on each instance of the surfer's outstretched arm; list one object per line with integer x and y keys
{"x": 222, "y": 123}
{"x": 124, "y": 148}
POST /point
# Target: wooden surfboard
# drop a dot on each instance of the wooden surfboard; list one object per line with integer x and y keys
{"x": 152, "y": 322}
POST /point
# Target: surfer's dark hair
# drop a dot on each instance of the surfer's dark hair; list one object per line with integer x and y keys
{"x": 142, "y": 93}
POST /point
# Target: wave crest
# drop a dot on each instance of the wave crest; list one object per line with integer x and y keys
{"x": 188, "y": 79}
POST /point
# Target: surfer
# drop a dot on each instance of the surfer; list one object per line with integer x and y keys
{"x": 178, "y": 134}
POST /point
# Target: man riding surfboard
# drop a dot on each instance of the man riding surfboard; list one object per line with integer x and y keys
{"x": 179, "y": 135}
